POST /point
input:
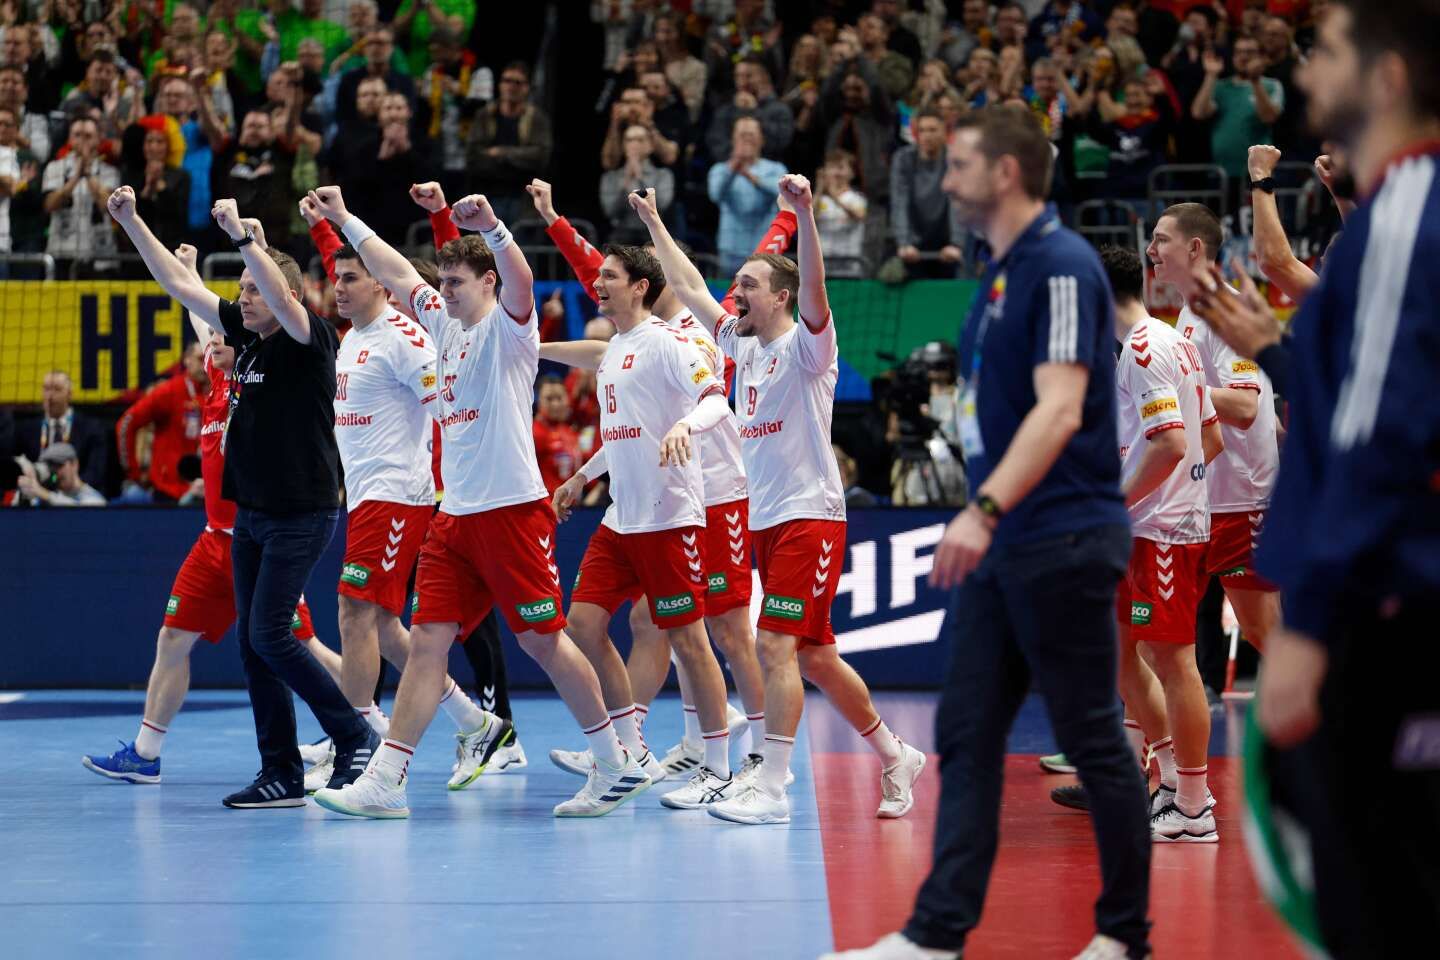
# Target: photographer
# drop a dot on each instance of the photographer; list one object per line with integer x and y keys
{"x": 55, "y": 480}
{"x": 919, "y": 399}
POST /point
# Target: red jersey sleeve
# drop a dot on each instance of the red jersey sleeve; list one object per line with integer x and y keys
{"x": 777, "y": 239}
{"x": 443, "y": 228}
{"x": 583, "y": 258}
{"x": 327, "y": 243}
{"x": 151, "y": 408}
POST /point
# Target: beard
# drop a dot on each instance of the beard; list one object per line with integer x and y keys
{"x": 1342, "y": 122}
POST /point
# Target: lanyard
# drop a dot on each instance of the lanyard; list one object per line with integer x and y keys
{"x": 66, "y": 422}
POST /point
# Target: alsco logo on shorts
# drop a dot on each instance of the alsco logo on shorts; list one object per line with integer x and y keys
{"x": 295, "y": 620}
{"x": 1233, "y": 572}
{"x": 538, "y": 610}
{"x": 719, "y": 583}
{"x": 172, "y": 606}
{"x": 787, "y": 608}
{"x": 674, "y": 606}
{"x": 414, "y": 604}
{"x": 355, "y": 574}
{"x": 1140, "y": 613}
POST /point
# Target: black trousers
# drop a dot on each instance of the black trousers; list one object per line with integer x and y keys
{"x": 272, "y": 557}
{"x": 1043, "y": 610}
{"x": 487, "y": 659}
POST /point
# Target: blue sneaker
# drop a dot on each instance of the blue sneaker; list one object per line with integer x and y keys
{"x": 125, "y": 764}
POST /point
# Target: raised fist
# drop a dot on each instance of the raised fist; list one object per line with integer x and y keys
{"x": 227, "y": 218}
{"x": 543, "y": 196}
{"x": 1261, "y": 161}
{"x": 428, "y": 195}
{"x": 331, "y": 204}
{"x": 796, "y": 189}
{"x": 473, "y": 213}
{"x": 122, "y": 204}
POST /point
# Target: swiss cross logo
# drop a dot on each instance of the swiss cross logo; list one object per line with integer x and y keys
{"x": 364, "y": 355}
{"x": 629, "y": 361}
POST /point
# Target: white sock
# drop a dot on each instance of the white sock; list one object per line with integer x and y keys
{"x": 717, "y": 752}
{"x": 461, "y": 709}
{"x": 1190, "y": 797}
{"x": 885, "y": 744}
{"x": 777, "y": 763}
{"x": 605, "y": 745}
{"x": 692, "y": 723}
{"x": 754, "y": 732}
{"x": 642, "y": 713}
{"x": 150, "y": 739}
{"x": 1165, "y": 756}
{"x": 374, "y": 716}
{"x": 1136, "y": 736}
{"x": 392, "y": 761}
{"x": 627, "y": 728}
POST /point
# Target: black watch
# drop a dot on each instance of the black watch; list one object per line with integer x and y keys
{"x": 244, "y": 241}
{"x": 986, "y": 504}
{"x": 1265, "y": 185}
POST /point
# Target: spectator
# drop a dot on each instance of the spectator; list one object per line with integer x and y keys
{"x": 637, "y": 173}
{"x": 10, "y": 178}
{"x": 951, "y": 106}
{"x": 898, "y": 37}
{"x": 754, "y": 97}
{"x": 580, "y": 385}
{"x": 973, "y": 32}
{"x": 379, "y": 46}
{"x": 62, "y": 423}
{"x": 1185, "y": 66}
{"x": 748, "y": 33}
{"x": 76, "y": 188}
{"x": 981, "y": 78}
{"x": 809, "y": 65}
{"x": 687, "y": 73}
{"x": 636, "y": 107}
{"x": 1244, "y": 106}
{"x": 390, "y": 157}
{"x": 292, "y": 26}
{"x": 78, "y": 46}
{"x": 840, "y": 212}
{"x": 510, "y": 143}
{"x": 1012, "y": 25}
{"x": 418, "y": 20}
{"x": 449, "y": 92}
{"x": 1282, "y": 59}
{"x": 221, "y": 83}
{"x": 101, "y": 98}
{"x": 1122, "y": 22}
{"x": 180, "y": 42}
{"x": 172, "y": 410}
{"x": 933, "y": 83}
{"x": 856, "y": 496}
{"x": 860, "y": 118}
{"x": 17, "y": 50}
{"x": 34, "y": 126}
{"x": 744, "y": 187}
{"x": 895, "y": 71}
{"x": 162, "y": 190}
{"x": 670, "y": 121}
{"x": 285, "y": 94}
{"x": 175, "y": 98}
{"x": 921, "y": 218}
{"x": 1061, "y": 21}
{"x": 615, "y": 24}
{"x": 55, "y": 481}
{"x": 1137, "y": 134}
{"x": 557, "y": 445}
{"x": 1049, "y": 100}
{"x": 254, "y": 169}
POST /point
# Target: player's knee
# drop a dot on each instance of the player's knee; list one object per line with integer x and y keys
{"x": 174, "y": 644}
{"x": 640, "y": 622}
{"x": 689, "y": 641}
{"x": 774, "y": 649}
{"x": 816, "y": 663}
{"x": 431, "y": 641}
{"x": 540, "y": 647}
{"x": 586, "y": 624}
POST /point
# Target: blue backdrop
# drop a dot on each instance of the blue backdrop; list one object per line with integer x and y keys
{"x": 82, "y": 595}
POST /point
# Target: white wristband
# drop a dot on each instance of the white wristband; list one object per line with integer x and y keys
{"x": 356, "y": 232}
{"x": 497, "y": 238}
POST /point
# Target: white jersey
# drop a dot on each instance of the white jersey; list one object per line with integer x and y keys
{"x": 385, "y": 391}
{"x": 1160, "y": 385}
{"x": 721, "y": 462}
{"x": 785, "y": 398}
{"x": 1241, "y": 478}
{"x": 487, "y": 382}
{"x": 650, "y": 377}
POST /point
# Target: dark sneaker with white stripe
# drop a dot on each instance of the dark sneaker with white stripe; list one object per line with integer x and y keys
{"x": 349, "y": 764}
{"x": 1073, "y": 796}
{"x": 269, "y": 790}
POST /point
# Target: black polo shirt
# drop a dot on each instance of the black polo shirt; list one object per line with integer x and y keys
{"x": 280, "y": 452}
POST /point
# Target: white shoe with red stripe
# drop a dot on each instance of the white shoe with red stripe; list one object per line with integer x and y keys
{"x": 369, "y": 796}
{"x": 897, "y": 784}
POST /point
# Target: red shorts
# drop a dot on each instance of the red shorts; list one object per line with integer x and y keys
{"x": 202, "y": 599}
{"x": 800, "y": 563}
{"x": 504, "y": 556}
{"x": 1232, "y": 550}
{"x": 668, "y": 566}
{"x": 727, "y": 556}
{"x": 382, "y": 541}
{"x": 1160, "y": 594}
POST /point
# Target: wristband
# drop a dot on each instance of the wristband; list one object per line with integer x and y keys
{"x": 244, "y": 241}
{"x": 497, "y": 238}
{"x": 986, "y": 504}
{"x": 356, "y": 232}
{"x": 1264, "y": 185}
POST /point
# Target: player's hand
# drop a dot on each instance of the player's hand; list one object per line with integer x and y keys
{"x": 644, "y": 206}
{"x": 1261, "y": 161}
{"x": 1245, "y": 322}
{"x": 1325, "y": 169}
{"x": 474, "y": 213}
{"x": 429, "y": 195}
{"x": 227, "y": 218}
{"x": 675, "y": 447}
{"x": 253, "y": 225}
{"x": 783, "y": 202}
{"x": 961, "y": 549}
{"x": 310, "y": 211}
{"x": 122, "y": 204}
{"x": 331, "y": 204}
{"x": 797, "y": 190}
{"x": 186, "y": 254}
{"x": 543, "y": 196}
{"x": 566, "y": 496}
{"x": 1288, "y": 701}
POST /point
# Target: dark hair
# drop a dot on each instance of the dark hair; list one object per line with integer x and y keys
{"x": 469, "y": 251}
{"x": 1206, "y": 11}
{"x": 1197, "y": 220}
{"x": 784, "y": 274}
{"x": 755, "y": 60}
{"x": 550, "y": 380}
{"x": 520, "y": 65}
{"x": 1015, "y": 132}
{"x": 103, "y": 54}
{"x": 1410, "y": 29}
{"x": 929, "y": 113}
{"x": 348, "y": 252}
{"x": 640, "y": 264}
{"x": 289, "y": 269}
{"x": 426, "y": 268}
{"x": 1127, "y": 276}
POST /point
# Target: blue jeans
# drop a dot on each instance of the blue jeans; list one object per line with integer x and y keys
{"x": 272, "y": 557}
{"x": 1045, "y": 610}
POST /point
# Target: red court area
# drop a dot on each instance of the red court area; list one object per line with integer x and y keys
{"x": 1203, "y": 897}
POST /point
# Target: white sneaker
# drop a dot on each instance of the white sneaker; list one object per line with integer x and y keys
{"x": 705, "y": 787}
{"x": 313, "y": 753}
{"x": 684, "y": 757}
{"x": 320, "y": 774}
{"x": 897, "y": 784}
{"x": 1173, "y": 826}
{"x": 750, "y": 769}
{"x": 1104, "y": 948}
{"x": 579, "y": 762}
{"x": 606, "y": 788}
{"x": 750, "y": 804}
{"x": 893, "y": 947}
{"x": 508, "y": 759}
{"x": 735, "y": 721}
{"x": 474, "y": 750}
{"x": 1165, "y": 797}
{"x": 369, "y": 796}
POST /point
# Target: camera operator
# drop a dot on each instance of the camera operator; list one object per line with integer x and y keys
{"x": 55, "y": 480}
{"x": 919, "y": 399}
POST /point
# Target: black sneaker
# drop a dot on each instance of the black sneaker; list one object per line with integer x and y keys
{"x": 349, "y": 764}
{"x": 269, "y": 790}
{"x": 1073, "y": 796}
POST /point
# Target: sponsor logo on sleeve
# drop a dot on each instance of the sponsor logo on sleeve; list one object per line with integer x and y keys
{"x": 1140, "y": 613}
{"x": 674, "y": 606}
{"x": 172, "y": 606}
{"x": 786, "y": 608}
{"x": 427, "y": 380}
{"x": 1244, "y": 366}
{"x": 538, "y": 611}
{"x": 700, "y": 375}
{"x": 1157, "y": 407}
{"x": 719, "y": 583}
{"x": 355, "y": 574}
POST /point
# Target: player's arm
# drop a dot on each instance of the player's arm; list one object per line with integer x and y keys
{"x": 680, "y": 274}
{"x": 814, "y": 302}
{"x": 169, "y": 272}
{"x": 1236, "y": 406}
{"x": 430, "y": 197}
{"x": 276, "y": 292}
{"x": 690, "y": 370}
{"x": 569, "y": 493}
{"x": 1272, "y": 248}
{"x": 147, "y": 410}
{"x": 187, "y": 255}
{"x": 581, "y": 354}
{"x": 1163, "y": 452}
{"x": 517, "y": 293}
{"x": 386, "y": 264}
{"x": 777, "y": 239}
{"x": 327, "y": 243}
{"x": 583, "y": 258}
{"x": 1212, "y": 443}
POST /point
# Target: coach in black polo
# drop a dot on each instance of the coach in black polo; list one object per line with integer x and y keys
{"x": 283, "y": 470}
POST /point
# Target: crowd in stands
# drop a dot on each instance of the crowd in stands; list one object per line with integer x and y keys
{"x": 707, "y": 101}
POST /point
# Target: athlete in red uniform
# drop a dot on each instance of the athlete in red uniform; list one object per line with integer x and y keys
{"x": 173, "y": 409}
